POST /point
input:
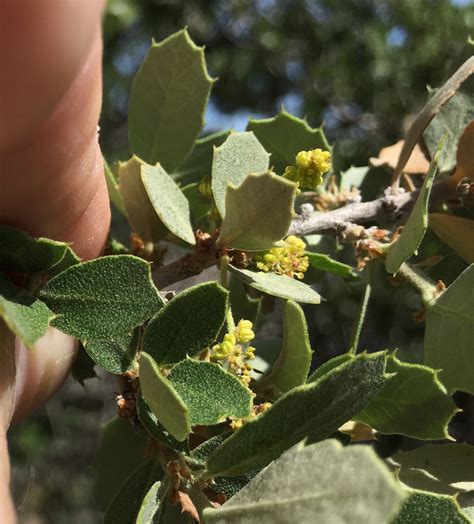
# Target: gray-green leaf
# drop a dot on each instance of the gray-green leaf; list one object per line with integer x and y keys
{"x": 413, "y": 403}
{"x": 163, "y": 399}
{"x": 20, "y": 252}
{"x": 113, "y": 189}
{"x": 326, "y": 263}
{"x": 187, "y": 324}
{"x": 324, "y": 482}
{"x": 140, "y": 212}
{"x": 26, "y": 316}
{"x": 280, "y": 286}
{"x": 258, "y": 212}
{"x": 210, "y": 393}
{"x": 115, "y": 355}
{"x": 449, "y": 334}
{"x": 240, "y": 155}
{"x": 328, "y": 365}
{"x": 167, "y": 101}
{"x": 292, "y": 365}
{"x": 168, "y": 201}
{"x": 286, "y": 135}
{"x": 153, "y": 504}
{"x": 315, "y": 409}
{"x": 450, "y": 121}
{"x": 446, "y": 469}
{"x": 103, "y": 298}
{"x": 417, "y": 223}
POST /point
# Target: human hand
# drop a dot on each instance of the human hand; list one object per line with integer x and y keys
{"x": 51, "y": 175}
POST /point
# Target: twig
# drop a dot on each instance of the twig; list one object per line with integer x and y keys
{"x": 424, "y": 117}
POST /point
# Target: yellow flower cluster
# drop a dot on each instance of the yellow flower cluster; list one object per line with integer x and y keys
{"x": 204, "y": 187}
{"x": 234, "y": 352}
{"x": 309, "y": 169}
{"x": 287, "y": 260}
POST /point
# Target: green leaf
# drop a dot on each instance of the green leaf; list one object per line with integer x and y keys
{"x": 449, "y": 333}
{"x": 103, "y": 298}
{"x": 199, "y": 205}
{"x": 315, "y": 409}
{"x": 280, "y": 286}
{"x": 258, "y": 212}
{"x": 168, "y": 201}
{"x": 210, "y": 393}
{"x": 445, "y": 469}
{"x": 167, "y": 101}
{"x": 243, "y": 305}
{"x": 187, "y": 324}
{"x": 115, "y": 355}
{"x": 118, "y": 435}
{"x": 417, "y": 223}
{"x": 451, "y": 120}
{"x": 324, "y": 482}
{"x": 240, "y": 155}
{"x": 326, "y": 263}
{"x": 20, "y": 252}
{"x": 155, "y": 429}
{"x": 328, "y": 365}
{"x": 286, "y": 135}
{"x": 163, "y": 399}
{"x": 113, "y": 189}
{"x": 152, "y": 504}
{"x": 127, "y": 503}
{"x": 354, "y": 177}
{"x": 292, "y": 365}
{"x": 25, "y": 315}
{"x": 428, "y": 507}
{"x": 198, "y": 163}
{"x": 140, "y": 212}
{"x": 413, "y": 403}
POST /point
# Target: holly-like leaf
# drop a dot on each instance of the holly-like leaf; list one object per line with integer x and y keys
{"x": 284, "y": 136}
{"x": 125, "y": 507}
{"x": 103, "y": 298}
{"x": 324, "y": 482}
{"x": 168, "y": 201}
{"x": 445, "y": 469}
{"x": 155, "y": 428}
{"x": 450, "y": 121}
{"x": 162, "y": 398}
{"x": 113, "y": 189}
{"x": 456, "y": 232}
{"x": 140, "y": 212}
{"x": 20, "y": 252}
{"x": 449, "y": 333}
{"x": 280, "y": 286}
{"x": 115, "y": 355}
{"x": 167, "y": 101}
{"x": 152, "y": 504}
{"x": 421, "y": 506}
{"x": 240, "y": 155}
{"x": 412, "y": 403}
{"x": 328, "y": 365}
{"x": 187, "y": 324}
{"x": 315, "y": 409}
{"x": 326, "y": 263}
{"x": 292, "y": 365}
{"x": 258, "y": 212}
{"x": 26, "y": 316}
{"x": 417, "y": 223}
{"x": 210, "y": 393}
{"x": 198, "y": 163}
{"x": 118, "y": 436}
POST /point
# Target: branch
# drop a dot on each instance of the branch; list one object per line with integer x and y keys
{"x": 384, "y": 209}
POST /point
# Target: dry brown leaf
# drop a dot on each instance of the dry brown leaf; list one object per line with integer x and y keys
{"x": 465, "y": 154}
{"x": 187, "y": 505}
{"x": 417, "y": 163}
{"x": 358, "y": 431}
{"x": 456, "y": 232}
